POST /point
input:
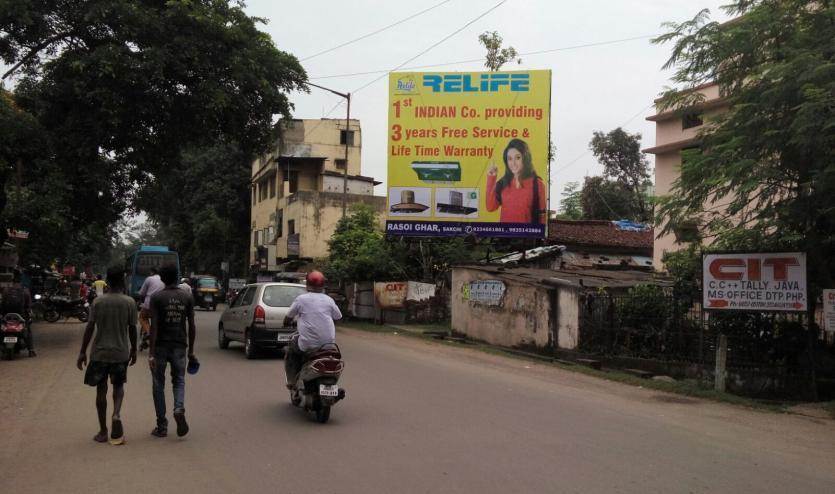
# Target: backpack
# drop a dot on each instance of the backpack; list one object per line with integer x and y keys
{"x": 13, "y": 300}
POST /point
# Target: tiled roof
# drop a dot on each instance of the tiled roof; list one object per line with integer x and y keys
{"x": 597, "y": 233}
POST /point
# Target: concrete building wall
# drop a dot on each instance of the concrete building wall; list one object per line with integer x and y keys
{"x": 321, "y": 138}
{"x": 568, "y": 318}
{"x": 522, "y": 319}
{"x": 670, "y": 139}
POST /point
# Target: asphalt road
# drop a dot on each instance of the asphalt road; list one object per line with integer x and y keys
{"x": 419, "y": 417}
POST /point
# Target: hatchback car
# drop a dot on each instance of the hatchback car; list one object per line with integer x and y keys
{"x": 256, "y": 317}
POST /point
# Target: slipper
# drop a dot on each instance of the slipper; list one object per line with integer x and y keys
{"x": 117, "y": 435}
{"x": 100, "y": 438}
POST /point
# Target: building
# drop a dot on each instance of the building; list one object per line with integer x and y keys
{"x": 675, "y": 131}
{"x": 297, "y": 191}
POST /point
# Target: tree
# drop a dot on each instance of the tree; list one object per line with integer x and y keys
{"x": 358, "y": 250}
{"x": 496, "y": 55}
{"x": 620, "y": 154}
{"x": 122, "y": 90}
{"x": 603, "y": 199}
{"x": 771, "y": 157}
{"x": 571, "y": 204}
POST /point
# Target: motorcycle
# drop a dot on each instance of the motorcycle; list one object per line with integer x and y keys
{"x": 58, "y": 306}
{"x": 316, "y": 386}
{"x": 12, "y": 334}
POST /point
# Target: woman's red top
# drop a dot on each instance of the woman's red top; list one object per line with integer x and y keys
{"x": 516, "y": 202}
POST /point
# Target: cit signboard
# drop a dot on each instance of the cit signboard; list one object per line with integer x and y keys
{"x": 829, "y": 310}
{"x": 752, "y": 281}
{"x": 468, "y": 153}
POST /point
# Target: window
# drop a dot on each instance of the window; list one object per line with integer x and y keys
{"x": 272, "y": 187}
{"x": 249, "y": 296}
{"x": 293, "y": 178}
{"x": 690, "y": 120}
{"x": 257, "y": 238}
{"x": 291, "y": 227}
{"x": 281, "y": 296}
{"x": 340, "y": 164}
{"x": 687, "y": 232}
{"x": 279, "y": 223}
{"x": 270, "y": 233}
{"x": 346, "y": 135}
{"x": 253, "y": 196}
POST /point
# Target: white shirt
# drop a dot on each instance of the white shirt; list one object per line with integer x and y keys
{"x": 150, "y": 286}
{"x": 316, "y": 313}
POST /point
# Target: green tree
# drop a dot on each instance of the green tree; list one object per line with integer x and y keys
{"x": 771, "y": 157}
{"x": 123, "y": 90}
{"x": 571, "y": 204}
{"x": 496, "y": 55}
{"x": 620, "y": 154}
{"x": 603, "y": 199}
{"x": 358, "y": 250}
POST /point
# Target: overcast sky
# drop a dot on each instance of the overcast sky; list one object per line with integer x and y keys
{"x": 593, "y": 88}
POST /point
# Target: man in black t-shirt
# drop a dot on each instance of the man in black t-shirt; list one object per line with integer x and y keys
{"x": 172, "y": 341}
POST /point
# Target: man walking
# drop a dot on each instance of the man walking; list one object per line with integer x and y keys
{"x": 113, "y": 317}
{"x": 150, "y": 286}
{"x": 171, "y": 310}
{"x": 99, "y": 285}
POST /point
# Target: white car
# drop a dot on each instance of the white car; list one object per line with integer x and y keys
{"x": 256, "y": 317}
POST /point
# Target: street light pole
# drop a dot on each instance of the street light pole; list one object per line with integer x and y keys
{"x": 347, "y": 96}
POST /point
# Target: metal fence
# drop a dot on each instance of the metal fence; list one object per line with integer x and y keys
{"x": 768, "y": 354}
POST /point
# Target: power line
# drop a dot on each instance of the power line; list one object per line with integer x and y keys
{"x": 633, "y": 117}
{"x": 494, "y": 7}
{"x": 460, "y": 62}
{"x": 401, "y": 21}
{"x": 410, "y": 59}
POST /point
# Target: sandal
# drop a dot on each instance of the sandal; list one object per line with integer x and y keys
{"x": 117, "y": 433}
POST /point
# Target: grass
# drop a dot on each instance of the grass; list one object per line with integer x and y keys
{"x": 688, "y": 388}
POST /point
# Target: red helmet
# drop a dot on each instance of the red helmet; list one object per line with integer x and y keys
{"x": 315, "y": 279}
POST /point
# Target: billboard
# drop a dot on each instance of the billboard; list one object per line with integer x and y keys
{"x": 754, "y": 281}
{"x": 468, "y": 153}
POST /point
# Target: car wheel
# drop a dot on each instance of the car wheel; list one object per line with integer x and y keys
{"x": 214, "y": 307}
{"x": 249, "y": 346}
{"x": 222, "y": 340}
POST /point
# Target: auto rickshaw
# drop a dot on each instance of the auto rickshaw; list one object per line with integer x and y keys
{"x": 206, "y": 291}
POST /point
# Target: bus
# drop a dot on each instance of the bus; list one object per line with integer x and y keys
{"x": 139, "y": 265}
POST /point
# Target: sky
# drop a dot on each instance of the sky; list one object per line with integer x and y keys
{"x": 593, "y": 88}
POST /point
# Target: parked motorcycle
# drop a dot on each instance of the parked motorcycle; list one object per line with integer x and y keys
{"x": 12, "y": 334}
{"x": 316, "y": 387}
{"x": 58, "y": 306}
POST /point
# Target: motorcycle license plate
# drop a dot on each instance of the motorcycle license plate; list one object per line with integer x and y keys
{"x": 328, "y": 390}
{"x": 9, "y": 339}
{"x": 284, "y": 337}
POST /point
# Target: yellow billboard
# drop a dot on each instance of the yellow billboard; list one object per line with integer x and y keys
{"x": 468, "y": 153}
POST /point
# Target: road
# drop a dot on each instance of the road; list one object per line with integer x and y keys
{"x": 419, "y": 417}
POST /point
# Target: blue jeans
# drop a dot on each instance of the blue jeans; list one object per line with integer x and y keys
{"x": 177, "y": 358}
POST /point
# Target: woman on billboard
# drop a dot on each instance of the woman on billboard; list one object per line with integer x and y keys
{"x": 520, "y": 192}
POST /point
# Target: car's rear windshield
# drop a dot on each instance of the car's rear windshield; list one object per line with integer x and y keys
{"x": 207, "y": 283}
{"x": 281, "y": 296}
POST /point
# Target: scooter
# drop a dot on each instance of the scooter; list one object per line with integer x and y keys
{"x": 12, "y": 334}
{"x": 316, "y": 389}
{"x": 58, "y": 306}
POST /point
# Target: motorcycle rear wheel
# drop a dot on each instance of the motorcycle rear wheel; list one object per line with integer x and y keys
{"x": 51, "y": 315}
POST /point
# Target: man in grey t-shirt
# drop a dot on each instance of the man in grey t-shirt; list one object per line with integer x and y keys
{"x": 113, "y": 318}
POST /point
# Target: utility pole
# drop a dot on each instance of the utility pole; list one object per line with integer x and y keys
{"x": 347, "y": 96}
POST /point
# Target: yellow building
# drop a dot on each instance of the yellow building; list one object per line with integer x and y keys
{"x": 297, "y": 191}
{"x": 676, "y": 130}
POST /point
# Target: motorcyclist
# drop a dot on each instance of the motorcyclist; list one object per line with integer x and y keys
{"x": 17, "y": 299}
{"x": 316, "y": 313}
